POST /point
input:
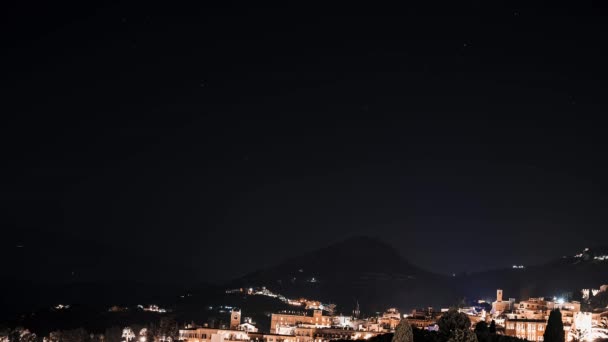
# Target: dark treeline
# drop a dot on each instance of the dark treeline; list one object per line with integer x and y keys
{"x": 166, "y": 329}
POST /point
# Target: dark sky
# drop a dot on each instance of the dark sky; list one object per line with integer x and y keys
{"x": 469, "y": 137}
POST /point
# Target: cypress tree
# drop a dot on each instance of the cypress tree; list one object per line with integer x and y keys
{"x": 482, "y": 331}
{"x": 481, "y": 327}
{"x": 493, "y": 327}
{"x": 555, "y": 328}
{"x": 403, "y": 332}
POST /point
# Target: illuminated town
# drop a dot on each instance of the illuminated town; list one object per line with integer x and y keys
{"x": 218, "y": 171}
{"x": 313, "y": 321}
{"x": 525, "y": 319}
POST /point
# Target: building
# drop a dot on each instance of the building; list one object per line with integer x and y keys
{"x": 529, "y": 329}
{"x": 539, "y": 308}
{"x": 262, "y": 337}
{"x": 423, "y": 319}
{"x": 390, "y": 319}
{"x": 247, "y": 327}
{"x": 568, "y": 310}
{"x": 532, "y": 309}
{"x": 278, "y": 321}
{"x": 589, "y": 326}
{"x": 312, "y": 304}
{"x": 305, "y": 333}
{"x": 500, "y": 306}
{"x": 599, "y": 318}
{"x": 212, "y": 335}
{"x": 474, "y": 314}
{"x": 235, "y": 319}
{"x": 313, "y": 334}
{"x": 344, "y": 321}
{"x": 286, "y": 330}
{"x": 329, "y": 334}
{"x": 227, "y": 335}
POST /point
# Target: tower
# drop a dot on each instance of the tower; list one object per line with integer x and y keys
{"x": 235, "y": 319}
{"x": 356, "y": 312}
{"x": 499, "y": 295}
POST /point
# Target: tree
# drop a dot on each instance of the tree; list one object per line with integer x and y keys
{"x": 482, "y": 327}
{"x": 4, "y": 334}
{"x": 113, "y": 334}
{"x": 492, "y": 328}
{"x": 54, "y": 336}
{"x": 21, "y": 334}
{"x": 167, "y": 329}
{"x": 460, "y": 335}
{"x": 152, "y": 333}
{"x": 424, "y": 335}
{"x": 15, "y": 334}
{"x": 29, "y": 337}
{"x": 403, "y": 332}
{"x": 452, "y": 321}
{"x": 555, "y": 327}
{"x": 137, "y": 329}
{"x": 455, "y": 326}
{"x": 74, "y": 335}
{"x": 482, "y": 331}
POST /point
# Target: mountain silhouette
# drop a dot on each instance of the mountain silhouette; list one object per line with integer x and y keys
{"x": 361, "y": 269}
{"x": 373, "y": 272}
{"x": 562, "y": 276}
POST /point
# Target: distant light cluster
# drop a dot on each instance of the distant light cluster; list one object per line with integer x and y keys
{"x": 580, "y": 255}
{"x": 603, "y": 257}
{"x": 61, "y": 307}
{"x": 307, "y": 303}
{"x": 152, "y": 308}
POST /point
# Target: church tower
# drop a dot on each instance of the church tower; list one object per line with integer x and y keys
{"x": 235, "y": 319}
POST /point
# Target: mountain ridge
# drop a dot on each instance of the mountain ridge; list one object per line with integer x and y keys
{"x": 369, "y": 268}
{"x": 359, "y": 268}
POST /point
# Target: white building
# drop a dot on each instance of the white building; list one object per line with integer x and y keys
{"x": 212, "y": 335}
{"x": 248, "y": 327}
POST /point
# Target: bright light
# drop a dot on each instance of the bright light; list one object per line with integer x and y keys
{"x": 560, "y": 301}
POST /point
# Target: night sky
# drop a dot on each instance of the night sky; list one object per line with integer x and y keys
{"x": 469, "y": 137}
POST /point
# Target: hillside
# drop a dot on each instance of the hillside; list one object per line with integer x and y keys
{"x": 587, "y": 269}
{"x": 358, "y": 269}
{"x": 361, "y": 269}
{"x": 374, "y": 273}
